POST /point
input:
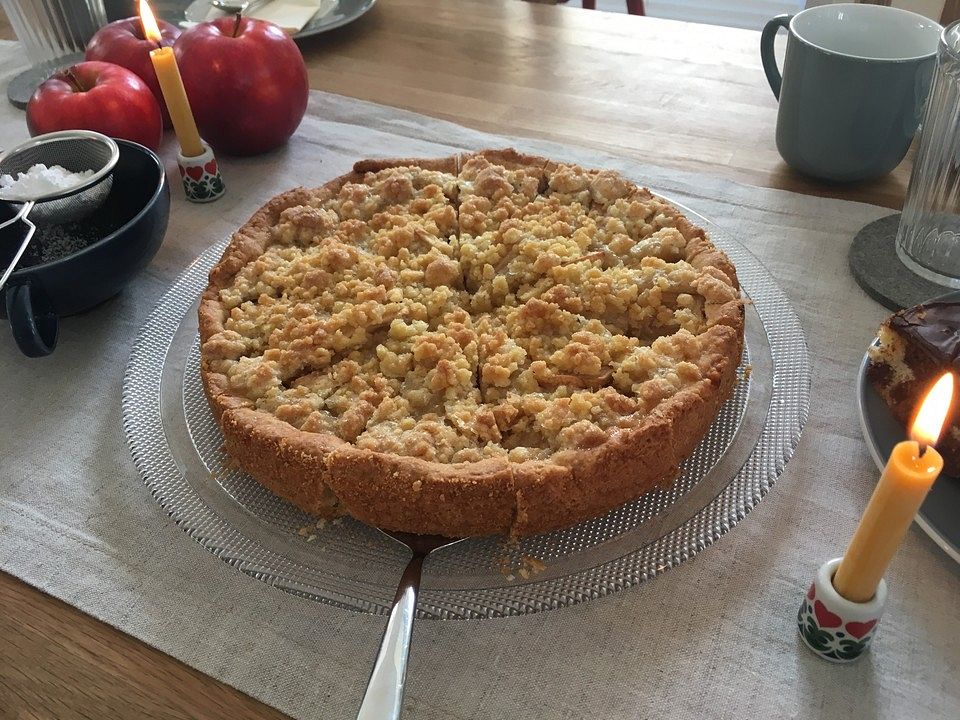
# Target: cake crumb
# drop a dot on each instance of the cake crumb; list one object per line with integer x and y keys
{"x": 308, "y": 530}
{"x": 531, "y": 565}
{"x": 747, "y": 371}
{"x": 526, "y": 567}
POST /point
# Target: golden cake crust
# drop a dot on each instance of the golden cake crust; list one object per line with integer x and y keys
{"x": 328, "y": 476}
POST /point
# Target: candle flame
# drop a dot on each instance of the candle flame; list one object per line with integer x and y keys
{"x": 928, "y": 424}
{"x": 150, "y": 28}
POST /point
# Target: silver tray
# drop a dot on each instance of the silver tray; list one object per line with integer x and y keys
{"x": 178, "y": 450}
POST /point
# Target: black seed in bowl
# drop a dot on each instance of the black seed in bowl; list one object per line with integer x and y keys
{"x": 53, "y": 242}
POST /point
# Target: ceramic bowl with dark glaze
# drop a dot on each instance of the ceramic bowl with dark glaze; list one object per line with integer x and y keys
{"x": 121, "y": 238}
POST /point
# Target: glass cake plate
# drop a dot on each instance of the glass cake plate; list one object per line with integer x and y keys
{"x": 178, "y": 450}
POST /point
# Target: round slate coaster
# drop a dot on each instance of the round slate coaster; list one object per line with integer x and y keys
{"x": 881, "y": 274}
{"x": 22, "y": 86}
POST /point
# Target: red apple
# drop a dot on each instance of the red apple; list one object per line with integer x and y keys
{"x": 96, "y": 96}
{"x": 246, "y": 82}
{"x": 123, "y": 42}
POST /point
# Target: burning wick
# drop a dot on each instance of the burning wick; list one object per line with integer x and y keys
{"x": 928, "y": 423}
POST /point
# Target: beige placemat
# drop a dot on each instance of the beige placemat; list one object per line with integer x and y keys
{"x": 713, "y": 638}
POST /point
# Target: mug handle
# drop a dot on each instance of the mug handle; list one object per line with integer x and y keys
{"x": 766, "y": 51}
{"x": 35, "y": 325}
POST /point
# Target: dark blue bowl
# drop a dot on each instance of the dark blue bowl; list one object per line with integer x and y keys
{"x": 137, "y": 209}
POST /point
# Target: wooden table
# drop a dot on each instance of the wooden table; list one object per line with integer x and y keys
{"x": 680, "y": 95}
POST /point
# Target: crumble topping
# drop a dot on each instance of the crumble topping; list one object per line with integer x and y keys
{"x": 496, "y": 313}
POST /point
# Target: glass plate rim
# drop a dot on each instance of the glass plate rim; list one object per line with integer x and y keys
{"x": 212, "y": 531}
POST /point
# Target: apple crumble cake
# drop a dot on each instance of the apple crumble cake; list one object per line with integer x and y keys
{"x": 486, "y": 343}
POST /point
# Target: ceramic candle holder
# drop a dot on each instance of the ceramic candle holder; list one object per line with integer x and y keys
{"x": 833, "y": 627}
{"x": 201, "y": 177}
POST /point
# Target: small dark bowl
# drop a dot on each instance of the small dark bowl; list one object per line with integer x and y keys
{"x": 36, "y": 297}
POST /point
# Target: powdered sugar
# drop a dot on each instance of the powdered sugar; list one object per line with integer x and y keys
{"x": 40, "y": 180}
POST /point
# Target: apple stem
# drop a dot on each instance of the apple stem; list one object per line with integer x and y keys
{"x": 74, "y": 82}
{"x": 236, "y": 25}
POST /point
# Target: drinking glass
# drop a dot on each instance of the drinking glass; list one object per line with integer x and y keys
{"x": 54, "y": 34}
{"x": 928, "y": 239}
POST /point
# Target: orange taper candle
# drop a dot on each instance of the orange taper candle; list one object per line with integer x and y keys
{"x": 171, "y": 85}
{"x": 910, "y": 472}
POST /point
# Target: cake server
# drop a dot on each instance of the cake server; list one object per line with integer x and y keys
{"x": 383, "y": 699}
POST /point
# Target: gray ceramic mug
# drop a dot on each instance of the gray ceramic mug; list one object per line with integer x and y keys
{"x": 855, "y": 80}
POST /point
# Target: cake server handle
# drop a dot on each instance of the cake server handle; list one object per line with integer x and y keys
{"x": 384, "y": 696}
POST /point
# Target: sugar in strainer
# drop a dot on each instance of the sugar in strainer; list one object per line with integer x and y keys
{"x": 75, "y": 151}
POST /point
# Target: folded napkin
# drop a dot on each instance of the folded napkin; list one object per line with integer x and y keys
{"x": 291, "y": 15}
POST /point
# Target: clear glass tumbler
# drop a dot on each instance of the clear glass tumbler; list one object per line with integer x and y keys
{"x": 928, "y": 239}
{"x": 54, "y": 33}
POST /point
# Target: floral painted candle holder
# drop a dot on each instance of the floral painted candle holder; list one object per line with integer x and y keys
{"x": 201, "y": 177}
{"x": 833, "y": 627}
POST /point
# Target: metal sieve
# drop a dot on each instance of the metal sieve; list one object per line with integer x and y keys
{"x": 75, "y": 151}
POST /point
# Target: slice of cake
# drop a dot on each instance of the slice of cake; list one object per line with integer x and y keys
{"x": 916, "y": 346}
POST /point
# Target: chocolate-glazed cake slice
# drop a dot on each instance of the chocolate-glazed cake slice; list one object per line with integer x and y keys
{"x": 916, "y": 346}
